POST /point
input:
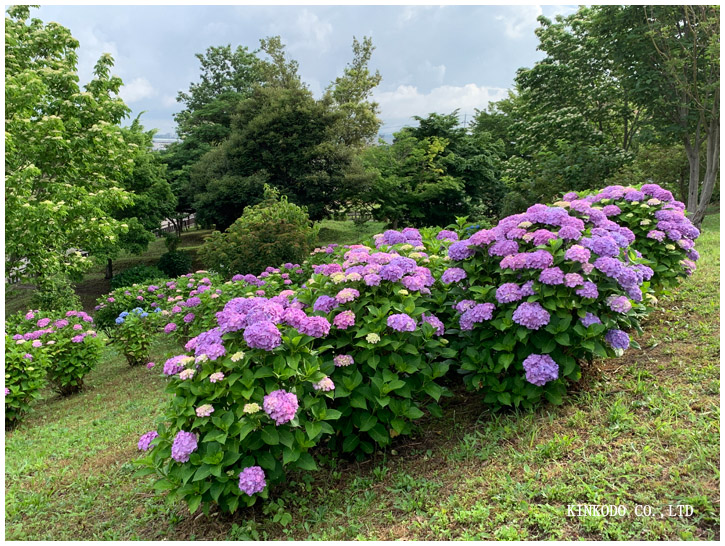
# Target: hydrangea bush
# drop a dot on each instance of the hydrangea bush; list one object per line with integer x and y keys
{"x": 350, "y": 348}
{"x": 25, "y": 376}
{"x": 69, "y": 342}
{"x": 134, "y": 334}
{"x": 663, "y": 235}
{"x": 538, "y": 294}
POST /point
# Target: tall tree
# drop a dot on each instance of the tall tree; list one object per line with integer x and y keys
{"x": 351, "y": 93}
{"x": 66, "y": 155}
{"x": 670, "y": 56}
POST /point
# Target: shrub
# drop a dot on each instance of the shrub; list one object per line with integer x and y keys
{"x": 272, "y": 232}
{"x": 67, "y": 340}
{"x": 55, "y": 294}
{"x": 136, "y": 274}
{"x": 25, "y": 376}
{"x": 134, "y": 335}
{"x": 664, "y": 236}
{"x": 532, "y": 303}
{"x": 175, "y": 263}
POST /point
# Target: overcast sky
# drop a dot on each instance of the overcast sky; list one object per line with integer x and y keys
{"x": 431, "y": 58}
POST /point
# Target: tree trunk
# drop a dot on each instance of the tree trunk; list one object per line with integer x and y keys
{"x": 109, "y": 269}
{"x": 712, "y": 169}
{"x": 693, "y": 187}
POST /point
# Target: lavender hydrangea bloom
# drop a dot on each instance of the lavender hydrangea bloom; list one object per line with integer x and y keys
{"x": 656, "y": 235}
{"x": 372, "y": 279}
{"x": 552, "y": 276}
{"x": 617, "y": 339}
{"x": 251, "y": 480}
{"x": 532, "y": 315}
{"x": 447, "y": 235}
{"x": 590, "y": 319}
{"x": 542, "y": 236}
{"x": 210, "y": 343}
{"x": 503, "y": 248}
{"x": 435, "y": 322}
{"x": 619, "y": 304}
{"x": 174, "y": 365}
{"x": 391, "y": 272}
{"x": 573, "y": 280}
{"x": 401, "y": 322}
{"x": 527, "y": 289}
{"x": 315, "y": 327}
{"x": 463, "y": 305}
{"x": 263, "y": 335}
{"x": 347, "y": 295}
{"x": 514, "y": 261}
{"x": 540, "y": 369}
{"x": 539, "y": 259}
{"x": 569, "y": 233}
{"x": 453, "y": 274}
{"x": 588, "y": 290}
{"x": 343, "y": 360}
{"x": 324, "y": 385}
{"x": 476, "y": 314}
{"x": 281, "y": 406}
{"x": 344, "y": 320}
{"x": 145, "y": 441}
{"x": 459, "y": 250}
{"x": 508, "y": 292}
{"x": 294, "y": 317}
{"x": 483, "y": 237}
{"x": 325, "y": 304}
{"x": 185, "y": 443}
{"x": 578, "y": 253}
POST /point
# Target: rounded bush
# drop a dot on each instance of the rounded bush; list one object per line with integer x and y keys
{"x": 136, "y": 274}
{"x": 25, "y": 376}
{"x": 175, "y": 263}
{"x": 272, "y": 232}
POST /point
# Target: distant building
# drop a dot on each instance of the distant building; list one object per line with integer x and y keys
{"x": 161, "y": 143}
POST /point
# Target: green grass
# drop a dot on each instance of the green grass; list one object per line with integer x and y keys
{"x": 346, "y": 232}
{"x": 641, "y": 429}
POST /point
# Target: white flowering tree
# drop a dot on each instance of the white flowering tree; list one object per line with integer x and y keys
{"x": 65, "y": 155}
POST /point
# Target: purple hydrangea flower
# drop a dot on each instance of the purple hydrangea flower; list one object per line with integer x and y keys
{"x": 476, "y": 314}
{"x": 315, "y": 327}
{"x": 346, "y": 295}
{"x": 619, "y": 304}
{"x": 527, "y": 289}
{"x": 325, "y": 304}
{"x": 551, "y": 275}
{"x": 540, "y": 369}
{"x": 188, "y": 317}
{"x": 344, "y": 320}
{"x": 578, "y": 253}
{"x": 145, "y": 441}
{"x": 447, "y": 235}
{"x": 539, "y": 259}
{"x": 263, "y": 335}
{"x": 401, "y": 323}
{"x": 617, "y": 339}
{"x": 185, "y": 443}
{"x": 174, "y": 365}
{"x": 590, "y": 319}
{"x": 573, "y": 280}
{"x": 435, "y": 322}
{"x": 588, "y": 290}
{"x": 503, "y": 248}
{"x": 251, "y": 480}
{"x": 294, "y": 317}
{"x": 324, "y": 385}
{"x": 281, "y": 406}
{"x": 372, "y": 279}
{"x": 459, "y": 250}
{"x": 453, "y": 274}
{"x": 532, "y": 315}
{"x": 343, "y": 360}
{"x": 463, "y": 305}
{"x": 508, "y": 292}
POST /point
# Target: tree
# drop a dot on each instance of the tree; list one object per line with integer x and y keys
{"x": 670, "y": 57}
{"x": 153, "y": 199}
{"x": 283, "y": 137}
{"x": 65, "y": 158}
{"x": 351, "y": 93}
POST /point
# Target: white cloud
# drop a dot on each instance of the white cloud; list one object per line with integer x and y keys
{"x": 520, "y": 21}
{"x": 136, "y": 90}
{"x": 406, "y": 101}
{"x": 169, "y": 101}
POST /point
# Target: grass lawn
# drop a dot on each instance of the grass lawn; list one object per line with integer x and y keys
{"x": 642, "y": 429}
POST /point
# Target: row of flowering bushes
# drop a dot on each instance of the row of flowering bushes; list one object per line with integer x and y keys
{"x": 349, "y": 349}
{"x": 46, "y": 348}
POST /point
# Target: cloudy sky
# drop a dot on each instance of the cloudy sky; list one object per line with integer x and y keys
{"x": 431, "y": 58}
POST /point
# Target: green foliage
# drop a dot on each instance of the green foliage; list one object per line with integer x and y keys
{"x": 134, "y": 334}
{"x": 24, "y": 378}
{"x": 434, "y": 172}
{"x": 136, "y": 274}
{"x": 175, "y": 263}
{"x": 66, "y": 155}
{"x": 55, "y": 294}
{"x": 272, "y": 232}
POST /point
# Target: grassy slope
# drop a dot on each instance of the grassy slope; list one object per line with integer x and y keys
{"x": 641, "y": 429}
